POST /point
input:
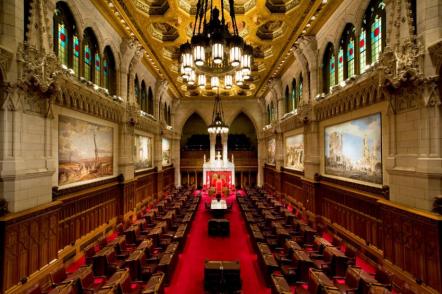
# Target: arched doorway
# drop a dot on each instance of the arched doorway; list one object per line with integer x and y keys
{"x": 195, "y": 143}
{"x": 243, "y": 143}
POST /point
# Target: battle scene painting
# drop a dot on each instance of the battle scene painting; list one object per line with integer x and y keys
{"x": 143, "y": 152}
{"x": 353, "y": 149}
{"x": 294, "y": 152}
{"x": 85, "y": 151}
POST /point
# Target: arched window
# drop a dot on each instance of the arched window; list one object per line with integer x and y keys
{"x": 340, "y": 64}
{"x": 137, "y": 90}
{"x": 169, "y": 118}
{"x": 268, "y": 114}
{"x": 109, "y": 81}
{"x": 143, "y": 102}
{"x": 287, "y": 99}
{"x": 362, "y": 50}
{"x": 150, "y": 101}
{"x": 374, "y": 22}
{"x": 165, "y": 112}
{"x": 65, "y": 36}
{"x": 90, "y": 53}
{"x": 293, "y": 96}
{"x": 347, "y": 45}
{"x": 300, "y": 90}
{"x": 329, "y": 78}
{"x": 272, "y": 111}
{"x": 97, "y": 75}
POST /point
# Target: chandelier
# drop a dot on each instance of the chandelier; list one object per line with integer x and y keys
{"x": 218, "y": 126}
{"x": 215, "y": 58}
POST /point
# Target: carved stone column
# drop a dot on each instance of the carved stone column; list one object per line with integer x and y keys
{"x": 261, "y": 160}
{"x": 176, "y": 160}
{"x": 279, "y": 151}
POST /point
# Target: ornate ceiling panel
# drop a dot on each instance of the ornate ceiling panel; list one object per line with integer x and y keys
{"x": 270, "y": 26}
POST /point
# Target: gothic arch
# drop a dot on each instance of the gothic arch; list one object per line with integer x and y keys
{"x": 189, "y": 114}
{"x": 248, "y": 114}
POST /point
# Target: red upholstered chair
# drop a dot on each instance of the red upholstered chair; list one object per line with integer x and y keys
{"x": 58, "y": 275}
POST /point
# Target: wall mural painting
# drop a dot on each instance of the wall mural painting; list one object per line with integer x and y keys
{"x": 294, "y": 152}
{"x": 143, "y": 152}
{"x": 166, "y": 152}
{"x": 85, "y": 150}
{"x": 353, "y": 149}
{"x": 271, "y": 151}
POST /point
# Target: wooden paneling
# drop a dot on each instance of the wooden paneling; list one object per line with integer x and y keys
{"x": 412, "y": 241}
{"x": 31, "y": 239}
{"x": 28, "y": 241}
{"x": 194, "y": 159}
{"x": 144, "y": 185}
{"x": 408, "y": 239}
{"x": 83, "y": 211}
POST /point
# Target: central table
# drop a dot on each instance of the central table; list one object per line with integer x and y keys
{"x": 222, "y": 276}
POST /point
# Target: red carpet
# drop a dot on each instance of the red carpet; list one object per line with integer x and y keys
{"x": 189, "y": 273}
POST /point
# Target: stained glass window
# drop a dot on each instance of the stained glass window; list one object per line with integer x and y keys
{"x": 76, "y": 56}
{"x": 150, "y": 101}
{"x": 293, "y": 96}
{"x": 62, "y": 44}
{"x": 351, "y": 57}
{"x": 340, "y": 64}
{"x": 97, "y": 69}
{"x": 106, "y": 73}
{"x": 137, "y": 90}
{"x": 287, "y": 99}
{"x": 332, "y": 81}
{"x": 87, "y": 62}
{"x": 300, "y": 89}
{"x": 362, "y": 51}
{"x": 376, "y": 38}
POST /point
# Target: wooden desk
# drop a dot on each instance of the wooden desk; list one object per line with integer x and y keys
{"x": 102, "y": 260}
{"x": 135, "y": 263}
{"x": 280, "y": 285}
{"x": 131, "y": 234}
{"x": 118, "y": 280}
{"x": 338, "y": 261}
{"x": 303, "y": 263}
{"x": 292, "y": 246}
{"x": 319, "y": 244}
{"x": 264, "y": 248}
{"x": 68, "y": 288}
{"x": 119, "y": 243}
{"x": 146, "y": 246}
{"x": 155, "y": 284}
{"x": 318, "y": 280}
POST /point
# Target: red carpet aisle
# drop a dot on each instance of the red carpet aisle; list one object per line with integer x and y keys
{"x": 189, "y": 273}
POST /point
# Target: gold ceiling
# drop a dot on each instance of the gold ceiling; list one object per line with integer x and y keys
{"x": 270, "y": 26}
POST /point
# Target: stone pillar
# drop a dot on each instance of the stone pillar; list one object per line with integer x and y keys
{"x": 261, "y": 161}
{"x": 158, "y": 151}
{"x": 224, "y": 142}
{"x": 312, "y": 153}
{"x": 212, "y": 147}
{"x": 126, "y": 141}
{"x": 279, "y": 151}
{"x": 176, "y": 161}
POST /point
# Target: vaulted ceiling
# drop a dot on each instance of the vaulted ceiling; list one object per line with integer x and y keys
{"x": 270, "y": 26}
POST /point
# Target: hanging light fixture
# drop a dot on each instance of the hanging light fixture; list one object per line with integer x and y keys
{"x": 214, "y": 50}
{"x": 214, "y": 83}
{"x": 218, "y": 126}
{"x": 201, "y": 81}
{"x": 228, "y": 82}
